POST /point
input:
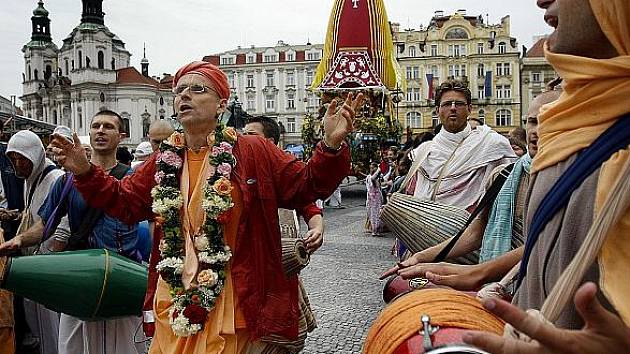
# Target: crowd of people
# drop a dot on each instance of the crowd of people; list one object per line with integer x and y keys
{"x": 213, "y": 202}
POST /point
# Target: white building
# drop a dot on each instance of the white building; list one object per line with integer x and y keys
{"x": 273, "y": 81}
{"x": 89, "y": 73}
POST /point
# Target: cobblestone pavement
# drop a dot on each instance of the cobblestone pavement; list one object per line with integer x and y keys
{"x": 342, "y": 278}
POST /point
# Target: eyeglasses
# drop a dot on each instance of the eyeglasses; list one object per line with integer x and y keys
{"x": 194, "y": 88}
{"x": 455, "y": 103}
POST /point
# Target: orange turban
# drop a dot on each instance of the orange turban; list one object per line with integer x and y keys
{"x": 211, "y": 72}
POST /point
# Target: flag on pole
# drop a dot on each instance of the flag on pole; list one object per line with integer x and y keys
{"x": 430, "y": 86}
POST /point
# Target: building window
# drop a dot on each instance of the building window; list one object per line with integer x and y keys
{"x": 312, "y": 56}
{"x": 413, "y": 94}
{"x": 482, "y": 116}
{"x": 36, "y": 74}
{"x": 113, "y": 64}
{"x": 507, "y": 91}
{"x": 309, "y": 77}
{"x": 250, "y": 80}
{"x": 503, "y": 118}
{"x": 227, "y": 61}
{"x": 290, "y": 100}
{"x": 102, "y": 97}
{"x": 251, "y": 102}
{"x": 126, "y": 127}
{"x": 434, "y": 50}
{"x": 291, "y": 125}
{"x": 456, "y": 70}
{"x": 251, "y": 58}
{"x": 30, "y": 76}
{"x": 507, "y": 69}
{"x": 289, "y": 56}
{"x": 535, "y": 77}
{"x": 481, "y": 70}
{"x": 409, "y": 73}
{"x": 435, "y": 120}
{"x": 312, "y": 100}
{"x": 481, "y": 92}
{"x": 270, "y": 103}
{"x": 100, "y": 58}
{"x": 479, "y": 48}
{"x": 409, "y": 95}
{"x": 67, "y": 66}
{"x": 290, "y": 78}
{"x": 456, "y": 50}
{"x": 499, "y": 90}
{"x": 80, "y": 60}
{"x": 412, "y": 51}
{"x": 231, "y": 80}
{"x": 269, "y": 58}
{"x": 435, "y": 72}
{"x": 415, "y": 72}
{"x": 270, "y": 79}
{"x": 414, "y": 119}
{"x": 502, "y": 48}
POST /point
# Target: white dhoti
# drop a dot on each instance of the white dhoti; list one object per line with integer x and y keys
{"x": 44, "y": 324}
{"x": 101, "y": 337}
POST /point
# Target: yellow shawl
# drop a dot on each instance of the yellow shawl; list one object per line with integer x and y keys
{"x": 595, "y": 95}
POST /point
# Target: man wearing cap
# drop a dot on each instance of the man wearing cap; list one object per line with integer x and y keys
{"x": 142, "y": 153}
{"x": 221, "y": 288}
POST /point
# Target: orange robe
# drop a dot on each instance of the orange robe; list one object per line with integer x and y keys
{"x": 225, "y": 329}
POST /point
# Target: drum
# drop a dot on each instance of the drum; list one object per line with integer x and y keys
{"x": 429, "y": 321}
{"x": 396, "y": 286}
{"x": 294, "y": 255}
{"x": 421, "y": 224}
{"x": 89, "y": 284}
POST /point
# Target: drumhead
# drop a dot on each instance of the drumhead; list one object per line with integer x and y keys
{"x": 456, "y": 349}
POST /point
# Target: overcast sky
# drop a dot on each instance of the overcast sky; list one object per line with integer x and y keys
{"x": 177, "y": 32}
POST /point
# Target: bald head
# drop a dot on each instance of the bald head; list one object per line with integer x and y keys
{"x": 159, "y": 130}
{"x": 532, "y": 118}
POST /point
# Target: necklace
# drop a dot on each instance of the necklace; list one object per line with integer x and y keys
{"x": 191, "y": 306}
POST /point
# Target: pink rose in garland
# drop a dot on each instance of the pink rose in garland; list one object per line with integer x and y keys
{"x": 225, "y": 169}
{"x": 172, "y": 159}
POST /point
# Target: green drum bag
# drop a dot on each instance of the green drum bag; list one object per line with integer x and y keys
{"x": 91, "y": 284}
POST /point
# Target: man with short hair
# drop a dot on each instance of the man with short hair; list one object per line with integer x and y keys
{"x": 451, "y": 168}
{"x": 590, "y": 50}
{"x": 77, "y": 336}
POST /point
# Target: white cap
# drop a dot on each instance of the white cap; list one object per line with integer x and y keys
{"x": 143, "y": 150}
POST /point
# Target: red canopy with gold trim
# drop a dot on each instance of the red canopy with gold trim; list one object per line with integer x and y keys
{"x": 359, "y": 51}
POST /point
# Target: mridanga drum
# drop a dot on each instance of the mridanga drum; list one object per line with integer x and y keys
{"x": 421, "y": 224}
{"x": 429, "y": 321}
{"x": 89, "y": 284}
{"x": 294, "y": 255}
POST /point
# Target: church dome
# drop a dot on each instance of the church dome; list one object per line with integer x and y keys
{"x": 40, "y": 11}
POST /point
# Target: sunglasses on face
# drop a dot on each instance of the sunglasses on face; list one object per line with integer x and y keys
{"x": 194, "y": 88}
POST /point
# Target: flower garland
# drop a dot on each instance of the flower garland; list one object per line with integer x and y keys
{"x": 191, "y": 306}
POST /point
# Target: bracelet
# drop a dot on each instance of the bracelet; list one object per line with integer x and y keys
{"x": 330, "y": 148}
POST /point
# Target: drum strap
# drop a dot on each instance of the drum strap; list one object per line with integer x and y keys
{"x": 486, "y": 201}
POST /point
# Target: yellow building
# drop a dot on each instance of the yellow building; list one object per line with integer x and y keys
{"x": 462, "y": 47}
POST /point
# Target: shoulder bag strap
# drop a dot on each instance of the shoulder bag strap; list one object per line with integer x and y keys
{"x": 487, "y": 200}
{"x": 615, "y": 138}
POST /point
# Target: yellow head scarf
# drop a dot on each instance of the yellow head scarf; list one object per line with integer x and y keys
{"x": 595, "y": 95}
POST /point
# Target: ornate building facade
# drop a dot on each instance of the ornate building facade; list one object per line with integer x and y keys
{"x": 466, "y": 48}
{"x": 536, "y": 72}
{"x": 273, "y": 81}
{"x": 90, "y": 72}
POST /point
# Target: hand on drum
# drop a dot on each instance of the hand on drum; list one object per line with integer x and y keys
{"x": 417, "y": 258}
{"x": 7, "y": 248}
{"x": 457, "y": 276}
{"x": 314, "y": 239}
{"x": 70, "y": 154}
{"x": 603, "y": 332}
{"x": 9, "y": 214}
